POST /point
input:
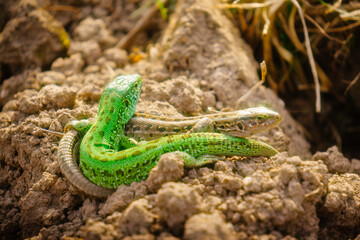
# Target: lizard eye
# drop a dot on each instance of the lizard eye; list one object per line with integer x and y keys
{"x": 240, "y": 126}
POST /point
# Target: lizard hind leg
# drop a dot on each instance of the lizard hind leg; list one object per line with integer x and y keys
{"x": 191, "y": 162}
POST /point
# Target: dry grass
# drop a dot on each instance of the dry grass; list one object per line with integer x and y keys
{"x": 292, "y": 30}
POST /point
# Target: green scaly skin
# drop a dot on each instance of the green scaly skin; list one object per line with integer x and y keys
{"x": 117, "y": 106}
{"x": 106, "y": 166}
{"x": 110, "y": 168}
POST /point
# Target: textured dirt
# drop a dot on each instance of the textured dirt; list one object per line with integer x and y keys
{"x": 199, "y": 62}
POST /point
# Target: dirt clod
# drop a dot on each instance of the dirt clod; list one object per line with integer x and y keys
{"x": 208, "y": 226}
{"x": 177, "y": 202}
{"x": 169, "y": 168}
{"x": 334, "y": 159}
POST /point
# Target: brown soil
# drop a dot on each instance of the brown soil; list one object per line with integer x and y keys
{"x": 53, "y": 75}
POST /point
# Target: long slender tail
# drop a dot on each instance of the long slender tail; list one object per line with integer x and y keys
{"x": 66, "y": 158}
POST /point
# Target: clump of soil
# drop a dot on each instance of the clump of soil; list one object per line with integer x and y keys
{"x": 199, "y": 62}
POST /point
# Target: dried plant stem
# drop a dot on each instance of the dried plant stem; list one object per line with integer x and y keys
{"x": 251, "y": 90}
{"x": 310, "y": 57}
{"x": 323, "y": 31}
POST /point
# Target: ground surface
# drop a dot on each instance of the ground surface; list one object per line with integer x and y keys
{"x": 200, "y": 61}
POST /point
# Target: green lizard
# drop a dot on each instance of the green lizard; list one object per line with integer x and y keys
{"x": 103, "y": 164}
{"x": 148, "y": 126}
{"x": 110, "y": 169}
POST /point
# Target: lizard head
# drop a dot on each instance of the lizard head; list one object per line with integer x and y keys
{"x": 120, "y": 97}
{"x": 250, "y": 121}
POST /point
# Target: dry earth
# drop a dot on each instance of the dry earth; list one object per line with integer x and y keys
{"x": 200, "y": 61}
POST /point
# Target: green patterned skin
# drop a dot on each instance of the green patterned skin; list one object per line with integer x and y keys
{"x": 117, "y": 105}
{"x": 110, "y": 168}
{"x": 105, "y": 162}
